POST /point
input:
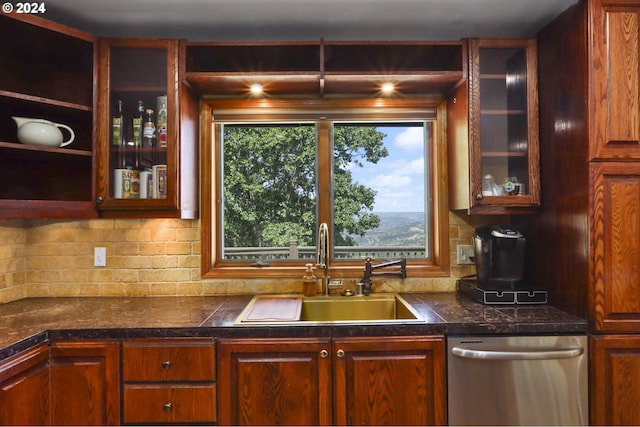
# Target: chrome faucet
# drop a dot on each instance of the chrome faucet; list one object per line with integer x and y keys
{"x": 323, "y": 255}
{"x": 369, "y": 272}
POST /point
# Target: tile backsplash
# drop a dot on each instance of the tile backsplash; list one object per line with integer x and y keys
{"x": 147, "y": 257}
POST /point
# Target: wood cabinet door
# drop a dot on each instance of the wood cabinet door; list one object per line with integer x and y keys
{"x": 615, "y": 99}
{"x": 615, "y": 380}
{"x": 274, "y": 381}
{"x": 392, "y": 381}
{"x": 85, "y": 387}
{"x": 614, "y": 294}
{"x": 24, "y": 388}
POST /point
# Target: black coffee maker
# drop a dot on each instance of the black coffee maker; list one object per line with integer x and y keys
{"x": 499, "y": 256}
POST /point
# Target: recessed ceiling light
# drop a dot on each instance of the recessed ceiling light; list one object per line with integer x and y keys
{"x": 256, "y": 88}
{"x": 387, "y": 88}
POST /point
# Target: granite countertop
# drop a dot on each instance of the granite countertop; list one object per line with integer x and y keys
{"x": 27, "y": 322}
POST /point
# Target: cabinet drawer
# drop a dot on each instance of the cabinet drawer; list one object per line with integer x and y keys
{"x": 171, "y": 360}
{"x": 169, "y": 404}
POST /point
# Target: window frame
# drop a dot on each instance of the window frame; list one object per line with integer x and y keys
{"x": 299, "y": 109}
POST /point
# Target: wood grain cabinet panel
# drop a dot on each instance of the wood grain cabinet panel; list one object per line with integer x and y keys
{"x": 167, "y": 404}
{"x": 275, "y": 381}
{"x": 615, "y": 380}
{"x": 24, "y": 388}
{"x": 389, "y": 381}
{"x": 615, "y": 247}
{"x": 345, "y": 381}
{"x": 169, "y": 360}
{"x": 169, "y": 381}
{"x": 85, "y": 379}
{"x": 616, "y": 80}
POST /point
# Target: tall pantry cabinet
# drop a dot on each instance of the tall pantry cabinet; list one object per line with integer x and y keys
{"x": 586, "y": 238}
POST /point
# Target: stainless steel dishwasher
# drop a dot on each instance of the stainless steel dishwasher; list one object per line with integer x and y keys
{"x": 517, "y": 380}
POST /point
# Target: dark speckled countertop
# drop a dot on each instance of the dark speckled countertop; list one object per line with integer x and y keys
{"x": 30, "y": 321}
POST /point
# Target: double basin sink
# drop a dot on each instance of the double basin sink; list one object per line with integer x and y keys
{"x": 299, "y": 310}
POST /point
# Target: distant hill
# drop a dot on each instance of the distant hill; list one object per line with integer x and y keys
{"x": 396, "y": 229}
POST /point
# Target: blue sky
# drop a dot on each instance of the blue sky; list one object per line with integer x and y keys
{"x": 398, "y": 178}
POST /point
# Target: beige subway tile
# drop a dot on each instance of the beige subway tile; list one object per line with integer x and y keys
{"x": 112, "y": 289}
{"x": 13, "y": 293}
{"x": 196, "y": 248}
{"x": 164, "y": 288}
{"x": 64, "y": 289}
{"x": 152, "y": 248}
{"x": 33, "y": 290}
{"x": 125, "y": 248}
{"x": 137, "y": 289}
{"x": 165, "y": 261}
{"x": 163, "y": 235}
{"x": 189, "y": 261}
{"x": 178, "y": 248}
{"x": 100, "y": 275}
{"x": 189, "y": 288}
{"x": 162, "y": 275}
{"x": 128, "y": 223}
{"x": 126, "y": 276}
{"x": 90, "y": 290}
{"x": 139, "y": 262}
{"x": 115, "y": 262}
{"x": 188, "y": 234}
{"x": 78, "y": 276}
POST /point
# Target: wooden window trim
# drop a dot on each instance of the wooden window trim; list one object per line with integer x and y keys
{"x": 273, "y": 109}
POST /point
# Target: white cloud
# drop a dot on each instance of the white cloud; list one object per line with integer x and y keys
{"x": 382, "y": 182}
{"x": 410, "y": 139}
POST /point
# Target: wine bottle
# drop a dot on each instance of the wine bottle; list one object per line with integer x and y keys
{"x": 116, "y": 126}
{"x": 149, "y": 131}
{"x": 118, "y": 135}
{"x": 137, "y": 125}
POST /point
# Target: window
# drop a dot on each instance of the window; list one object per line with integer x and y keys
{"x": 276, "y": 169}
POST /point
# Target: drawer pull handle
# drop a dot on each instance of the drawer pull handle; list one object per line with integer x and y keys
{"x": 166, "y": 364}
{"x": 168, "y": 407}
{"x": 340, "y": 353}
{"x": 324, "y": 354}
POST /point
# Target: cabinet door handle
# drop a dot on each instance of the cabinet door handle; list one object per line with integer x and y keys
{"x": 340, "y": 353}
{"x": 168, "y": 407}
{"x": 166, "y": 364}
{"x": 324, "y": 354}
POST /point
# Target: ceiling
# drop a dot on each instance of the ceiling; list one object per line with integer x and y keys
{"x": 282, "y": 20}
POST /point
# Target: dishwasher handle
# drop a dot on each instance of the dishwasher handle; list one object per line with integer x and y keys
{"x": 517, "y": 355}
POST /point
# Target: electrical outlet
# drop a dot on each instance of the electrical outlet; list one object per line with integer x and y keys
{"x": 99, "y": 257}
{"x": 465, "y": 254}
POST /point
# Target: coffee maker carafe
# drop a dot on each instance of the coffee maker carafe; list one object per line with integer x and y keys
{"x": 499, "y": 256}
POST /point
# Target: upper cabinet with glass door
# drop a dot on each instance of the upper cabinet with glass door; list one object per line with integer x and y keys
{"x": 139, "y": 138}
{"x": 502, "y": 155}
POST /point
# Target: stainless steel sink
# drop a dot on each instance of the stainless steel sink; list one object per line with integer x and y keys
{"x": 299, "y": 310}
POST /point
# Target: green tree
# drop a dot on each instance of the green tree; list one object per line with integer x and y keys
{"x": 270, "y": 186}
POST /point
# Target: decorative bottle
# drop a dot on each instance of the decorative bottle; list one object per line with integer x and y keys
{"x": 309, "y": 282}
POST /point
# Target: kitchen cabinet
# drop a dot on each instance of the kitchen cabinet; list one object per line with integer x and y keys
{"x": 615, "y": 107}
{"x": 615, "y": 206}
{"x": 389, "y": 380}
{"x": 325, "y": 68}
{"x": 585, "y": 240}
{"x": 615, "y": 379}
{"x": 47, "y": 73}
{"x": 24, "y": 388}
{"x": 169, "y": 381}
{"x": 492, "y": 125}
{"x": 145, "y": 171}
{"x": 274, "y": 381}
{"x": 319, "y": 381}
{"x": 85, "y": 379}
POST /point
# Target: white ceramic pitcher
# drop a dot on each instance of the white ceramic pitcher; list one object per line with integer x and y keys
{"x": 42, "y": 132}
